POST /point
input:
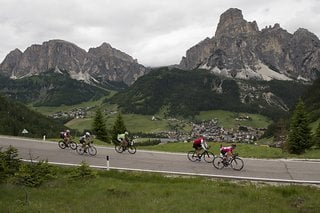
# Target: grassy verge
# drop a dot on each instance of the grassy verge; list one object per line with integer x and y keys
{"x": 113, "y": 191}
{"x": 244, "y": 150}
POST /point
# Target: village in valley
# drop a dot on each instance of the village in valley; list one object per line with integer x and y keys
{"x": 210, "y": 129}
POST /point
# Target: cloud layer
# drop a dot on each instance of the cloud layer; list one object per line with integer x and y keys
{"x": 155, "y": 32}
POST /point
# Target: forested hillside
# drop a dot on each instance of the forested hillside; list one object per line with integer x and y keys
{"x": 15, "y": 117}
{"x": 51, "y": 89}
{"x": 186, "y": 93}
{"x": 312, "y": 100}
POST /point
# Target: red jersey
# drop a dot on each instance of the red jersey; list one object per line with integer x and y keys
{"x": 226, "y": 149}
{"x": 198, "y": 141}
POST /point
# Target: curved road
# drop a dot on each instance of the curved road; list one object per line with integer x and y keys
{"x": 288, "y": 171}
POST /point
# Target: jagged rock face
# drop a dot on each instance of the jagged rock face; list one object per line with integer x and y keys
{"x": 12, "y": 60}
{"x": 240, "y": 50}
{"x": 104, "y": 62}
{"x": 232, "y": 24}
{"x": 118, "y": 65}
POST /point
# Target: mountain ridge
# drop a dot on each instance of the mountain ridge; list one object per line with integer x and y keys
{"x": 240, "y": 50}
{"x": 104, "y": 62}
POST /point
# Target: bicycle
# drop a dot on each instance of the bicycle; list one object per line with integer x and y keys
{"x": 121, "y": 148}
{"x": 207, "y": 155}
{"x": 88, "y": 148}
{"x": 63, "y": 144}
{"x": 234, "y": 161}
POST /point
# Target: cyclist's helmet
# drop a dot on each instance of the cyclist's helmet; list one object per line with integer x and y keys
{"x": 67, "y": 131}
{"x": 87, "y": 134}
{"x": 127, "y": 133}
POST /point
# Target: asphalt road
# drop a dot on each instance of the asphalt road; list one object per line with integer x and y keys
{"x": 289, "y": 171}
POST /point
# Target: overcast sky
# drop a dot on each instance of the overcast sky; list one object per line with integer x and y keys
{"x": 156, "y": 32}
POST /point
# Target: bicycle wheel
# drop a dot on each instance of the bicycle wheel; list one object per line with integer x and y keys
{"x": 80, "y": 150}
{"x": 132, "y": 149}
{"x": 208, "y": 157}
{"x": 118, "y": 148}
{"x": 218, "y": 163}
{"x": 192, "y": 156}
{"x": 237, "y": 163}
{"x": 92, "y": 150}
{"x": 73, "y": 145}
{"x": 62, "y": 145}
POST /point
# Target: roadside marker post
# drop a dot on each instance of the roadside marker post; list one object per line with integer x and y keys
{"x": 108, "y": 162}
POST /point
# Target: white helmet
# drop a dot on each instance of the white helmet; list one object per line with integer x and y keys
{"x": 87, "y": 134}
{"x": 127, "y": 133}
{"x": 68, "y": 131}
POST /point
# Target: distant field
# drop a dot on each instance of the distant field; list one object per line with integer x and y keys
{"x": 228, "y": 119}
{"x": 144, "y": 123}
{"x": 134, "y": 123}
{"x": 51, "y": 110}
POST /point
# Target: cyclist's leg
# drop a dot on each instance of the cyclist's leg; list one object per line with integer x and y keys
{"x": 66, "y": 141}
{"x": 123, "y": 143}
{"x": 199, "y": 148}
{"x": 86, "y": 147}
{"x": 223, "y": 156}
{"x": 229, "y": 154}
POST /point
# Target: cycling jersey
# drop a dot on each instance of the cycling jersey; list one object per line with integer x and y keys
{"x": 226, "y": 149}
{"x": 199, "y": 142}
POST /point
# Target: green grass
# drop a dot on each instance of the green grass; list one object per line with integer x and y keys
{"x": 64, "y": 108}
{"x": 133, "y": 122}
{"x": 227, "y": 119}
{"x": 113, "y": 191}
{"x": 144, "y": 123}
{"x": 314, "y": 125}
{"x": 244, "y": 150}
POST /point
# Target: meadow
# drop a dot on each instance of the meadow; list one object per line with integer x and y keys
{"x": 117, "y": 191}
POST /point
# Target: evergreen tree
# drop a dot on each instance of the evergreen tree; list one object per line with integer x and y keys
{"x": 99, "y": 126}
{"x": 299, "y": 137}
{"x": 316, "y": 138}
{"x": 118, "y": 127}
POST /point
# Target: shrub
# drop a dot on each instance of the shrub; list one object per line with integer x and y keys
{"x": 34, "y": 174}
{"x": 9, "y": 162}
{"x": 83, "y": 171}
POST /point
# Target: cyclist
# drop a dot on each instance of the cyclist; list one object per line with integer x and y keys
{"x": 85, "y": 140}
{"x": 199, "y": 144}
{"x": 123, "y": 139}
{"x": 66, "y": 136}
{"x": 227, "y": 151}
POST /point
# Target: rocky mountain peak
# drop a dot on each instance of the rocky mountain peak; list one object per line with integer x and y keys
{"x": 232, "y": 23}
{"x": 11, "y": 61}
{"x": 303, "y": 34}
{"x": 240, "y": 50}
{"x": 104, "y": 62}
{"x": 106, "y": 50}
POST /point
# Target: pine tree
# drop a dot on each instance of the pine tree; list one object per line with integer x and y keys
{"x": 118, "y": 127}
{"x": 99, "y": 126}
{"x": 316, "y": 138}
{"x": 299, "y": 138}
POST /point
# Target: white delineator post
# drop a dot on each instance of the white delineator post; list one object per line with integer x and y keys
{"x": 108, "y": 162}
